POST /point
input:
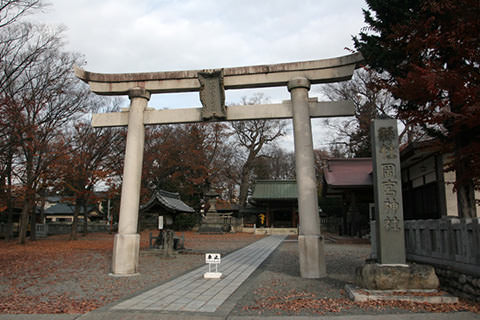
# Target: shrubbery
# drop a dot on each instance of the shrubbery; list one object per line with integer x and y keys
{"x": 185, "y": 221}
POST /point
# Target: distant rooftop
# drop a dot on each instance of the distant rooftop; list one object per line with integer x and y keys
{"x": 65, "y": 209}
{"x": 275, "y": 190}
{"x": 169, "y": 200}
{"x": 348, "y": 172}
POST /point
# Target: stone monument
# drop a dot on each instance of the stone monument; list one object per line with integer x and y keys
{"x": 391, "y": 272}
{"x": 212, "y": 222}
{"x": 388, "y": 193}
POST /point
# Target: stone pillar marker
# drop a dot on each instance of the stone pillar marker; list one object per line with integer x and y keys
{"x": 127, "y": 241}
{"x": 388, "y": 192}
{"x": 391, "y": 272}
{"x": 310, "y": 242}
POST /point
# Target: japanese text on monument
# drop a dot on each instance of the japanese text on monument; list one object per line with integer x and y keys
{"x": 389, "y": 180}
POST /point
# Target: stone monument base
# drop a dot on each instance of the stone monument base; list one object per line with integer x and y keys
{"x": 415, "y": 295}
{"x": 213, "y": 223}
{"x": 396, "y": 277}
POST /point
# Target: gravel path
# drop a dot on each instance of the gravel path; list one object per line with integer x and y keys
{"x": 277, "y": 288}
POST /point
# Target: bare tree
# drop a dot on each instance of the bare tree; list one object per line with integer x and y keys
{"x": 43, "y": 96}
{"x": 353, "y": 135}
{"x": 276, "y": 164}
{"x": 12, "y": 10}
{"x": 84, "y": 164}
{"x": 252, "y": 136}
{"x": 21, "y": 44}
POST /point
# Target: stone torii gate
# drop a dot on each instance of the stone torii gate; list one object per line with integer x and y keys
{"x": 297, "y": 76}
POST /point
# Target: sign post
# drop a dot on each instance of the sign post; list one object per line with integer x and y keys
{"x": 212, "y": 258}
{"x": 160, "y": 222}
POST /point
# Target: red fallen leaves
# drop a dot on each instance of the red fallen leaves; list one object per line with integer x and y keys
{"x": 195, "y": 240}
{"x": 31, "y": 305}
{"x": 300, "y": 301}
{"x": 56, "y": 275}
{"x": 421, "y": 307}
{"x": 25, "y": 268}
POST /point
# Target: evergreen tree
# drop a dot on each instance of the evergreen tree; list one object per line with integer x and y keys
{"x": 431, "y": 51}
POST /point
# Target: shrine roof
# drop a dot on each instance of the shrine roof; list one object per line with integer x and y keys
{"x": 275, "y": 190}
{"x": 348, "y": 172}
{"x": 169, "y": 200}
{"x": 65, "y": 209}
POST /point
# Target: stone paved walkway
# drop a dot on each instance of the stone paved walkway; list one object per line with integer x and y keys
{"x": 192, "y": 293}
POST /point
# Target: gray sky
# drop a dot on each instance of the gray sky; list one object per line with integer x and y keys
{"x": 161, "y": 35}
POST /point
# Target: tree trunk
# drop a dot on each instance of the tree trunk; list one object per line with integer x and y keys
{"x": 73, "y": 234}
{"x": 246, "y": 171}
{"x": 33, "y": 222}
{"x": 9, "y": 226}
{"x": 42, "y": 210}
{"x": 85, "y": 219}
{"x": 22, "y": 234}
{"x": 465, "y": 187}
{"x": 466, "y": 205}
{"x": 29, "y": 198}
{"x": 244, "y": 184}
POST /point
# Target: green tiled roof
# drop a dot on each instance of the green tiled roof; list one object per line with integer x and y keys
{"x": 275, "y": 189}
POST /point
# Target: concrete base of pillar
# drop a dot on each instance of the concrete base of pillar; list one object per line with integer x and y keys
{"x": 312, "y": 257}
{"x": 125, "y": 254}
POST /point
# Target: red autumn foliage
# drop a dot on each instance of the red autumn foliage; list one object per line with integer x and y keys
{"x": 184, "y": 158}
{"x": 431, "y": 52}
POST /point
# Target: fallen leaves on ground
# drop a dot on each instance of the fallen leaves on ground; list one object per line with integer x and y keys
{"x": 199, "y": 241}
{"x": 420, "y": 307}
{"x": 56, "y": 275}
{"x": 299, "y": 301}
{"x": 274, "y": 298}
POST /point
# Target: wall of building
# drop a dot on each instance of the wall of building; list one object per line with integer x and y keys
{"x": 429, "y": 171}
{"x": 421, "y": 173}
{"x": 66, "y": 228}
{"x": 451, "y": 196}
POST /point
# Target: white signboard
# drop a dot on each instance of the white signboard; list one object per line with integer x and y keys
{"x": 160, "y": 222}
{"x": 212, "y": 258}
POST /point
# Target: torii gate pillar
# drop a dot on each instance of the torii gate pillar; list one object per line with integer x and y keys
{"x": 127, "y": 240}
{"x": 310, "y": 243}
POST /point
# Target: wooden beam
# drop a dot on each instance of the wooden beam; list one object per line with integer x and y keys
{"x": 249, "y": 112}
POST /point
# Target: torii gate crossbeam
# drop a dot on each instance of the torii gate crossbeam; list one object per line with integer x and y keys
{"x": 297, "y": 76}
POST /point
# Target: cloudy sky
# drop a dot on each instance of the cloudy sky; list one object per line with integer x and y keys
{"x": 161, "y": 35}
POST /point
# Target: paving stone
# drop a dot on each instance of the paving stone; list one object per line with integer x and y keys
{"x": 191, "y": 292}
